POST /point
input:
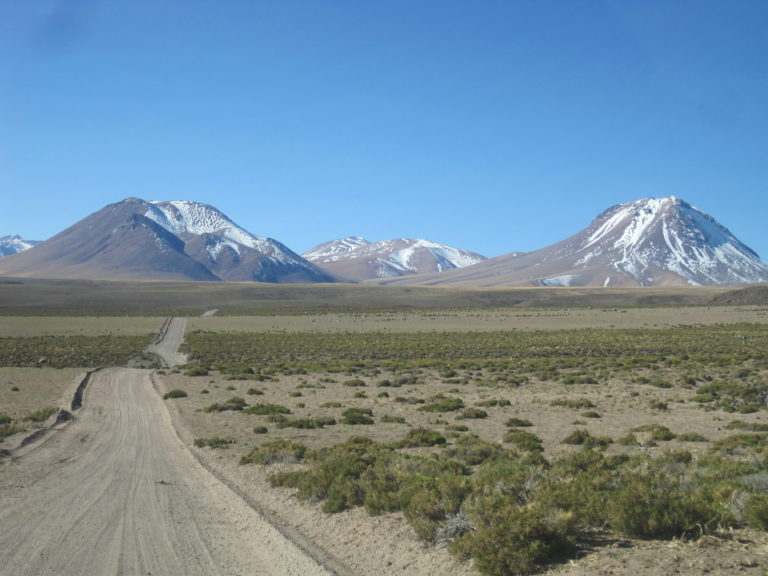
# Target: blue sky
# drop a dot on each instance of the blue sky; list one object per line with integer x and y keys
{"x": 489, "y": 125}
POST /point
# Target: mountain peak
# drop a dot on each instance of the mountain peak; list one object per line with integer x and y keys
{"x": 357, "y": 259}
{"x": 652, "y": 241}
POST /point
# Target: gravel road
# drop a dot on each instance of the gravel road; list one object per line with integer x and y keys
{"x": 118, "y": 493}
{"x": 167, "y": 344}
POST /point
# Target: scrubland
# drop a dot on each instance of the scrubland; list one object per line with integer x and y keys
{"x": 587, "y": 438}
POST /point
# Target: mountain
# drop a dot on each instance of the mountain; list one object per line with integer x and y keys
{"x": 649, "y": 242}
{"x": 14, "y": 244}
{"x": 136, "y": 239}
{"x": 356, "y": 259}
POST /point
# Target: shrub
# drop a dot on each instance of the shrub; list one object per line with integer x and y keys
{"x": 443, "y": 404}
{"x": 267, "y": 409}
{"x": 756, "y": 511}
{"x": 575, "y": 403}
{"x": 196, "y": 371}
{"x": 427, "y": 501}
{"x": 526, "y": 441}
{"x": 591, "y": 414}
{"x": 691, "y": 437}
{"x": 175, "y": 393}
{"x": 582, "y": 437}
{"x": 494, "y": 403}
{"x": 213, "y": 442}
{"x": 307, "y": 423}
{"x": 260, "y": 430}
{"x": 355, "y": 382}
{"x": 656, "y": 504}
{"x": 392, "y": 419}
{"x": 518, "y": 423}
{"x": 41, "y": 415}
{"x": 4, "y": 418}
{"x": 418, "y": 437}
{"x": 255, "y": 392}
{"x": 9, "y": 429}
{"x": 473, "y": 413}
{"x": 275, "y": 451}
{"x": 235, "y": 403}
{"x": 357, "y": 416}
{"x": 473, "y": 450}
{"x": 510, "y": 539}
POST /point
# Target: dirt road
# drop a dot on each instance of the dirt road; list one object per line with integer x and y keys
{"x": 118, "y": 493}
{"x": 168, "y": 342}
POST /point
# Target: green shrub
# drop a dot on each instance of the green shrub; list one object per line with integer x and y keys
{"x": 4, "y": 418}
{"x": 526, "y": 441}
{"x": 417, "y": 437}
{"x": 591, "y": 414}
{"x": 235, "y": 404}
{"x": 387, "y": 418}
{"x": 691, "y": 437}
{"x": 582, "y": 437}
{"x": 275, "y": 451}
{"x": 196, "y": 371}
{"x": 472, "y": 413}
{"x": 255, "y": 392}
{"x": 443, "y": 404}
{"x": 307, "y": 423}
{"x": 9, "y": 429}
{"x": 747, "y": 426}
{"x": 427, "y": 501}
{"x": 263, "y": 409}
{"x": 41, "y": 415}
{"x": 175, "y": 393}
{"x": 472, "y": 450}
{"x": 657, "y": 504}
{"x": 213, "y": 442}
{"x": 355, "y": 382}
{"x": 575, "y": 403}
{"x": 756, "y": 511}
{"x": 510, "y": 539}
{"x": 494, "y": 403}
{"x": 658, "y": 405}
{"x": 260, "y": 430}
{"x": 357, "y": 416}
{"x": 518, "y": 423}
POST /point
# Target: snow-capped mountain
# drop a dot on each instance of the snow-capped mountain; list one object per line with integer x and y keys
{"x": 162, "y": 240}
{"x": 663, "y": 241}
{"x": 354, "y": 258}
{"x": 14, "y": 244}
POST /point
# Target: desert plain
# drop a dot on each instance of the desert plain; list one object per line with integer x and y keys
{"x": 523, "y": 377}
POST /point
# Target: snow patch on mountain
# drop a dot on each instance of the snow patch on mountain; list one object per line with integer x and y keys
{"x": 14, "y": 244}
{"x": 181, "y": 217}
{"x": 335, "y": 249}
{"x": 669, "y": 234}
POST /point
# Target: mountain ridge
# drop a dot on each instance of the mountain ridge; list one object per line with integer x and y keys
{"x": 357, "y": 259}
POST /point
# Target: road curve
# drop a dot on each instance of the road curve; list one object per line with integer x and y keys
{"x": 118, "y": 493}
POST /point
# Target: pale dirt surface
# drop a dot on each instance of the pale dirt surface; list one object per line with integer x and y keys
{"x": 166, "y": 346}
{"x": 486, "y": 320}
{"x": 116, "y": 492}
{"x": 37, "y": 388}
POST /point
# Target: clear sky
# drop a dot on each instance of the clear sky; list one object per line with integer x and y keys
{"x": 489, "y": 125}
